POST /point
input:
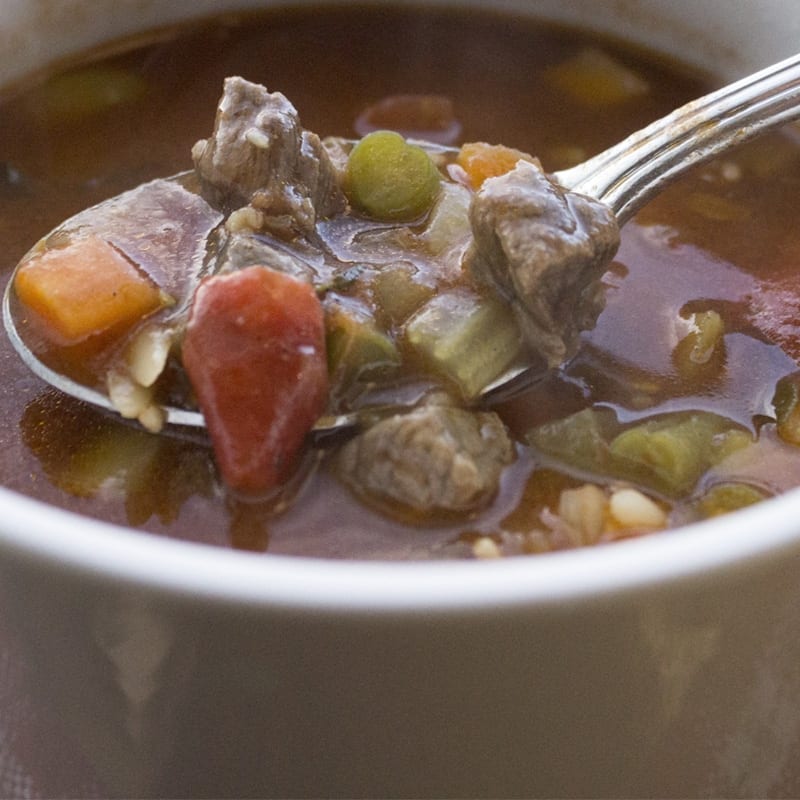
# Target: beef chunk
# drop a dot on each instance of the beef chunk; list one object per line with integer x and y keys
{"x": 435, "y": 458}
{"x": 260, "y": 155}
{"x": 544, "y": 249}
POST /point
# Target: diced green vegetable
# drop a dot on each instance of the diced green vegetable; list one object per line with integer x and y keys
{"x": 579, "y": 440}
{"x": 356, "y": 347}
{"x": 725, "y": 497}
{"x": 667, "y": 454}
{"x": 670, "y": 457}
{"x": 704, "y": 340}
{"x": 671, "y": 454}
{"x": 398, "y": 292}
{"x": 465, "y": 338}
{"x": 449, "y": 223}
{"x": 787, "y": 408}
{"x": 73, "y": 96}
{"x": 389, "y": 179}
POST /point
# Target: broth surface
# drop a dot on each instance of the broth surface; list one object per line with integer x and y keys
{"x": 722, "y": 240}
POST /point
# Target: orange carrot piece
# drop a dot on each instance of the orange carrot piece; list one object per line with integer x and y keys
{"x": 83, "y": 289}
{"x": 481, "y": 161}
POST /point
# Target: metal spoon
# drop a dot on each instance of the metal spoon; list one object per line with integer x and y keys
{"x": 624, "y": 177}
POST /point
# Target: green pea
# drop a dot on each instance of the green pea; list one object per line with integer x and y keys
{"x": 389, "y": 179}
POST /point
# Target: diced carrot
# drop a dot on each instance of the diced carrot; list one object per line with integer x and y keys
{"x": 83, "y": 289}
{"x": 254, "y": 352}
{"x": 481, "y": 161}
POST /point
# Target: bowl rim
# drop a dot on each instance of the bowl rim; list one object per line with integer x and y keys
{"x": 97, "y": 551}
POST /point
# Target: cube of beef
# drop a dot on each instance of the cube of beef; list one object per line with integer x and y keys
{"x": 545, "y": 250}
{"x": 259, "y": 155}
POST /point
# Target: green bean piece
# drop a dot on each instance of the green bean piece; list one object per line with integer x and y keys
{"x": 669, "y": 459}
{"x": 399, "y": 292}
{"x": 389, "y": 179}
{"x": 465, "y": 338}
{"x": 787, "y": 408}
{"x": 723, "y": 498}
{"x": 357, "y": 348}
{"x": 672, "y": 453}
{"x": 85, "y": 92}
{"x": 579, "y": 440}
{"x": 667, "y": 454}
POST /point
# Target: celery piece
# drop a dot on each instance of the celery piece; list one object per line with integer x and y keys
{"x": 723, "y": 498}
{"x": 661, "y": 458}
{"x": 448, "y": 225}
{"x": 671, "y": 453}
{"x": 465, "y": 338}
{"x": 356, "y": 347}
{"x": 787, "y": 408}
{"x": 579, "y": 440}
{"x": 667, "y": 454}
{"x": 727, "y": 443}
{"x": 398, "y": 292}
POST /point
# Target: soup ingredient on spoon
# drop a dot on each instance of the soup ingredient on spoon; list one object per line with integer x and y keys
{"x": 481, "y": 161}
{"x": 289, "y": 247}
{"x": 260, "y": 156}
{"x": 85, "y": 289}
{"x": 543, "y": 249}
{"x": 389, "y": 179}
{"x": 254, "y": 351}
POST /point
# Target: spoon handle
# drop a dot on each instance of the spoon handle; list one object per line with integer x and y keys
{"x": 630, "y": 173}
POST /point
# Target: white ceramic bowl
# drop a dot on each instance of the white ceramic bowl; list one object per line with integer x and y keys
{"x": 665, "y": 666}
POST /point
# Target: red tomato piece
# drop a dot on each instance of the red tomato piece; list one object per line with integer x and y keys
{"x": 254, "y": 352}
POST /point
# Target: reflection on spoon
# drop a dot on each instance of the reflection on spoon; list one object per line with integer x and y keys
{"x": 623, "y": 178}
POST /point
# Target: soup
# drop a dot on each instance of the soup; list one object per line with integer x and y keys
{"x": 678, "y": 405}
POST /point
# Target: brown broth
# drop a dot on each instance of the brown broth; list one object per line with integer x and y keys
{"x": 684, "y": 251}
